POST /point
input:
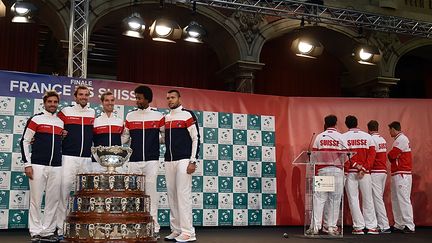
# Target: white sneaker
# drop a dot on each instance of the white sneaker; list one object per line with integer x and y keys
{"x": 172, "y": 236}
{"x": 185, "y": 238}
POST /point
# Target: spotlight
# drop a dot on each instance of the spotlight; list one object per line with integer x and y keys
{"x": 135, "y": 26}
{"x": 307, "y": 47}
{"x": 366, "y": 54}
{"x": 165, "y": 30}
{"x": 194, "y": 32}
{"x": 23, "y": 12}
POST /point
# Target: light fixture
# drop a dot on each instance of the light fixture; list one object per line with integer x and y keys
{"x": 2, "y": 9}
{"x": 307, "y": 47}
{"x": 23, "y": 12}
{"x": 367, "y": 54}
{"x": 165, "y": 30}
{"x": 194, "y": 32}
{"x": 135, "y": 26}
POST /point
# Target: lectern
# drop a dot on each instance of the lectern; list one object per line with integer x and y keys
{"x": 324, "y": 192}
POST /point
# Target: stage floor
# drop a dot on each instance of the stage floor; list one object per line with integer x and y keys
{"x": 262, "y": 235}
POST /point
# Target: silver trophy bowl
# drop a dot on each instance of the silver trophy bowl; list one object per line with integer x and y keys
{"x": 111, "y": 157}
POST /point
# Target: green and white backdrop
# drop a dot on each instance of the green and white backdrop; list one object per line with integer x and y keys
{"x": 234, "y": 185}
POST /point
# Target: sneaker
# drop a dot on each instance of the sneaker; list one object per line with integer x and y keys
{"x": 35, "y": 238}
{"x": 333, "y": 231}
{"x": 373, "y": 231}
{"x": 385, "y": 231}
{"x": 311, "y": 232}
{"x": 50, "y": 238}
{"x": 357, "y": 232}
{"x": 172, "y": 236}
{"x": 397, "y": 230}
{"x": 156, "y": 235}
{"x": 406, "y": 230}
{"x": 185, "y": 238}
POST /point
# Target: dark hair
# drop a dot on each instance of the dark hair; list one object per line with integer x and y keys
{"x": 80, "y": 87}
{"x": 330, "y": 121}
{"x": 372, "y": 125}
{"x": 106, "y": 93}
{"x": 146, "y": 91}
{"x": 174, "y": 91}
{"x": 50, "y": 93}
{"x": 396, "y": 125}
{"x": 351, "y": 121}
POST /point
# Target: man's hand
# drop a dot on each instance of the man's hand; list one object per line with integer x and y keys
{"x": 64, "y": 133}
{"x": 360, "y": 175}
{"x": 29, "y": 172}
{"x": 191, "y": 168}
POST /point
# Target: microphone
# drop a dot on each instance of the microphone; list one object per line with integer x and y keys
{"x": 310, "y": 143}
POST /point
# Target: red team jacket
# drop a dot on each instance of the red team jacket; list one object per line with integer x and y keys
{"x": 361, "y": 143}
{"x": 400, "y": 155}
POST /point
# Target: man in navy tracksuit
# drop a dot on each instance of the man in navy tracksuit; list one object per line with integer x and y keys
{"x": 144, "y": 128}
{"x": 182, "y": 149}
{"x": 107, "y": 127}
{"x": 41, "y": 154}
{"x": 78, "y": 122}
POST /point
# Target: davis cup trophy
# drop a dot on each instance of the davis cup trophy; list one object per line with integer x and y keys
{"x": 111, "y": 157}
{"x": 109, "y": 206}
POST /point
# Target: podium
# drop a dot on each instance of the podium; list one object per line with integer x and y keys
{"x": 324, "y": 192}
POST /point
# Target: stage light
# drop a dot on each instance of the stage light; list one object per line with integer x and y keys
{"x": 366, "y": 54}
{"x": 307, "y": 47}
{"x": 194, "y": 32}
{"x": 165, "y": 30}
{"x": 135, "y": 26}
{"x": 23, "y": 12}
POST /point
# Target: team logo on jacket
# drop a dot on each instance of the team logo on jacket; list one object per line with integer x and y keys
{"x": 225, "y": 217}
{"x": 7, "y": 105}
{"x": 255, "y": 217}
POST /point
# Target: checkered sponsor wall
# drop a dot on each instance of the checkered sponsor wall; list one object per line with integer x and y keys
{"x": 235, "y": 182}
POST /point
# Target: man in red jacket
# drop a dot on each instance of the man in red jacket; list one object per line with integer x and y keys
{"x": 401, "y": 166}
